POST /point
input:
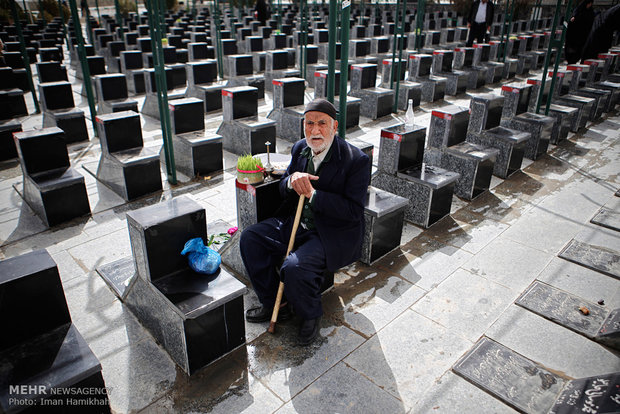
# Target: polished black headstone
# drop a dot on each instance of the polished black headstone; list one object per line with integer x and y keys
{"x": 42, "y": 150}
{"x": 187, "y": 115}
{"x": 199, "y": 73}
{"x": 131, "y": 59}
{"x": 598, "y": 258}
{"x": 514, "y": 379}
{"x": 277, "y": 60}
{"x": 239, "y": 102}
{"x": 111, "y": 87}
{"x": 119, "y": 131}
{"x": 598, "y": 394}
{"x": 8, "y": 150}
{"x": 292, "y": 91}
{"x": 51, "y": 72}
{"x": 56, "y": 95}
{"x": 28, "y": 280}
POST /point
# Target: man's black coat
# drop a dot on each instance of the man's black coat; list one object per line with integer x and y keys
{"x": 474, "y": 10}
{"x": 338, "y": 203}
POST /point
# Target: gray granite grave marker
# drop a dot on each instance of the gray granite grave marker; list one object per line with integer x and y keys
{"x": 514, "y": 379}
{"x": 563, "y": 308}
{"x": 593, "y": 257}
{"x": 607, "y": 218}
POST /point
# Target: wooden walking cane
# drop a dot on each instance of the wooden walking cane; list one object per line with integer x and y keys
{"x": 291, "y": 242}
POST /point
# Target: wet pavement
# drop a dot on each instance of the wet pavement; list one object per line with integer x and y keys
{"x": 392, "y": 332}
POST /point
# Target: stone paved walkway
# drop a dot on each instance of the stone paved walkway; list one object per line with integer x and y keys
{"x": 392, "y": 331}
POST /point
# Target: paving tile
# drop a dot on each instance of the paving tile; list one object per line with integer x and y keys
{"x": 226, "y": 386}
{"x": 466, "y": 304}
{"x": 343, "y": 390}
{"x": 453, "y": 394}
{"x": 508, "y": 263}
{"x": 580, "y": 281}
{"x": 368, "y": 299}
{"x": 137, "y": 375}
{"x": 543, "y": 230}
{"x": 466, "y": 231}
{"x": 560, "y": 350}
{"x": 91, "y": 255}
{"x": 286, "y": 369}
{"x": 407, "y": 356}
{"x": 425, "y": 268}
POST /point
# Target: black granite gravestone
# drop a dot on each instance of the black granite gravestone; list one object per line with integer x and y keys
{"x": 58, "y": 110}
{"x": 598, "y": 393}
{"x": 55, "y": 191}
{"x": 376, "y": 101}
{"x": 401, "y": 171}
{"x": 8, "y": 151}
{"x": 44, "y": 352}
{"x": 51, "y": 72}
{"x": 112, "y": 94}
{"x": 288, "y": 108}
{"x": 125, "y": 166}
{"x": 197, "y": 318}
{"x": 243, "y": 131}
{"x": 449, "y": 149}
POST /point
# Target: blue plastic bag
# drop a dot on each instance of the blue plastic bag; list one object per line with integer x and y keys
{"x": 201, "y": 258}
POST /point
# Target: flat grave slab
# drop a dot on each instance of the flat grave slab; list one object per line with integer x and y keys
{"x": 514, "y": 379}
{"x": 118, "y": 275}
{"x": 593, "y": 257}
{"x": 607, "y": 218}
{"x": 597, "y": 394}
{"x": 563, "y": 308}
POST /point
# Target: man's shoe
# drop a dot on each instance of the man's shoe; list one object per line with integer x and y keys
{"x": 309, "y": 330}
{"x": 262, "y": 314}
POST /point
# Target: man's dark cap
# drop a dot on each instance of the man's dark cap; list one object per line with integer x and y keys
{"x": 322, "y": 105}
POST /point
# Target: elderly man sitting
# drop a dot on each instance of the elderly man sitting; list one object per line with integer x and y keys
{"x": 333, "y": 176}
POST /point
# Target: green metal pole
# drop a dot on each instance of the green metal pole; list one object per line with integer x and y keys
{"x": 119, "y": 19}
{"x": 98, "y": 11}
{"x": 304, "y": 37}
{"x": 153, "y": 10}
{"x": 41, "y": 11}
{"x": 85, "y": 70}
{"x": 331, "y": 52}
{"x": 395, "y": 44}
{"x": 419, "y": 24}
{"x": 218, "y": 39}
{"x": 506, "y": 30}
{"x": 22, "y": 46}
{"x": 28, "y": 13}
{"x": 280, "y": 15}
{"x": 344, "y": 66}
{"x": 89, "y": 29}
{"x": 64, "y": 26}
{"x": 558, "y": 44}
{"x": 400, "y": 57}
{"x": 137, "y": 12}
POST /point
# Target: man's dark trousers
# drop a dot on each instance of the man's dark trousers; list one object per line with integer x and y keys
{"x": 263, "y": 246}
{"x": 477, "y": 31}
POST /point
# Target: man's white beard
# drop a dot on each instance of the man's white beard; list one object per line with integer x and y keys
{"x": 317, "y": 149}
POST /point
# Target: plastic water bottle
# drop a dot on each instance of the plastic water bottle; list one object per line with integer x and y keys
{"x": 409, "y": 115}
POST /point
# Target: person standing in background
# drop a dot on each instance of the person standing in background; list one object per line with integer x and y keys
{"x": 479, "y": 21}
{"x": 578, "y": 30}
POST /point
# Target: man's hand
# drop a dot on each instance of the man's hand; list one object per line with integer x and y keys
{"x": 469, "y": 25}
{"x": 301, "y": 183}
